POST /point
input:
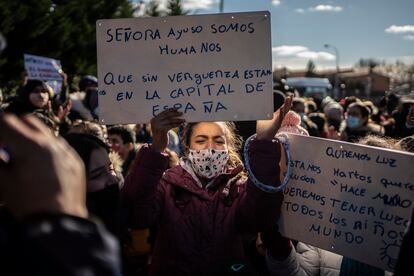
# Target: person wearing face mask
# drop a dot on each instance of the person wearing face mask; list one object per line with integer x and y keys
{"x": 35, "y": 96}
{"x": 357, "y": 123}
{"x": 85, "y": 103}
{"x": 203, "y": 206}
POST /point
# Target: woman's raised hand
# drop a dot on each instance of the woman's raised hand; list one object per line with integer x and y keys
{"x": 267, "y": 129}
{"x": 161, "y": 124}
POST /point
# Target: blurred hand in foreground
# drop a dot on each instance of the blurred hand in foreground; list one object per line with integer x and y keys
{"x": 44, "y": 174}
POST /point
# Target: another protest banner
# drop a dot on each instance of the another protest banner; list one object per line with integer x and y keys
{"x": 210, "y": 67}
{"x": 350, "y": 199}
{"x": 42, "y": 68}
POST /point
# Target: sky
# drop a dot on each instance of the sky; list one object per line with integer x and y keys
{"x": 379, "y": 29}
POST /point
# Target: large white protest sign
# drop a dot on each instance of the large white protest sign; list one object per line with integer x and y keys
{"x": 42, "y": 68}
{"x": 210, "y": 67}
{"x": 350, "y": 199}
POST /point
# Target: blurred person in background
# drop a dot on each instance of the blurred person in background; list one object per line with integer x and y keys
{"x": 404, "y": 119}
{"x": 39, "y": 98}
{"x": 345, "y": 102}
{"x": 319, "y": 119}
{"x": 298, "y": 105}
{"x": 143, "y": 133}
{"x": 102, "y": 182}
{"x": 334, "y": 113}
{"x": 85, "y": 102}
{"x": 389, "y": 104}
{"x": 357, "y": 123}
{"x": 310, "y": 106}
{"x": 44, "y": 225}
{"x": 35, "y": 95}
{"x": 334, "y": 116}
{"x": 374, "y": 112}
{"x": 122, "y": 141}
{"x": 91, "y": 128}
{"x": 376, "y": 128}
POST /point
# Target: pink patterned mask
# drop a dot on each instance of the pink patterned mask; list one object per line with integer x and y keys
{"x": 208, "y": 163}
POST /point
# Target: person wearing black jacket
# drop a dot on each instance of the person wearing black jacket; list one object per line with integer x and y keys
{"x": 44, "y": 225}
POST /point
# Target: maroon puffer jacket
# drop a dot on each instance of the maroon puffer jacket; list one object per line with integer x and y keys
{"x": 199, "y": 231}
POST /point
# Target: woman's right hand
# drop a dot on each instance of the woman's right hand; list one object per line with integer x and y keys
{"x": 161, "y": 124}
{"x": 267, "y": 129}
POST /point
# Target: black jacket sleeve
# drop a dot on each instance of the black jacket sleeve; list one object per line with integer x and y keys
{"x": 57, "y": 245}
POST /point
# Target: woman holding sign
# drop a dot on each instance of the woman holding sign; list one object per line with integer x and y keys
{"x": 203, "y": 206}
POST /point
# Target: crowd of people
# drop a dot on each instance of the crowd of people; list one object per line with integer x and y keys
{"x": 169, "y": 197}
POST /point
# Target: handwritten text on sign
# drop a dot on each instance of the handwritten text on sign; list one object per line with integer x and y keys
{"x": 210, "y": 67}
{"x": 42, "y": 68}
{"x": 350, "y": 199}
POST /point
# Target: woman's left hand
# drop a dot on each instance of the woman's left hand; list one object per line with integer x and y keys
{"x": 267, "y": 129}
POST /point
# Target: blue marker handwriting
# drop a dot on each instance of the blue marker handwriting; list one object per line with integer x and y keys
{"x": 346, "y": 154}
{"x": 387, "y": 161}
{"x": 354, "y": 175}
{"x": 347, "y": 206}
{"x": 127, "y": 34}
{"x": 302, "y": 209}
{"x": 303, "y": 193}
{"x": 327, "y": 231}
{"x": 207, "y": 107}
{"x": 394, "y": 200}
{"x": 205, "y": 47}
{"x": 113, "y": 79}
{"x": 199, "y": 77}
{"x": 233, "y": 27}
{"x": 305, "y": 166}
{"x": 395, "y": 183}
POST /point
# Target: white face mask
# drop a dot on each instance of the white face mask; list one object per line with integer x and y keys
{"x": 39, "y": 100}
{"x": 208, "y": 163}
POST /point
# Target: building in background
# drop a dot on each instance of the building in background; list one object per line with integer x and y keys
{"x": 364, "y": 83}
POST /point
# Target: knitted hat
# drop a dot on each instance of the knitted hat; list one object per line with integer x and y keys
{"x": 291, "y": 124}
